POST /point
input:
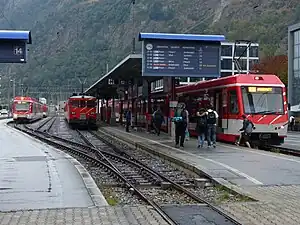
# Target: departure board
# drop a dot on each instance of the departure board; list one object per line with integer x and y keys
{"x": 181, "y": 58}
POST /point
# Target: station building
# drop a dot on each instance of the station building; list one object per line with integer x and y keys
{"x": 247, "y": 60}
{"x": 294, "y": 66}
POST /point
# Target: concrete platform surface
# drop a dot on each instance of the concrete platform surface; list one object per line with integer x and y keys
{"x": 273, "y": 179}
{"x": 34, "y": 175}
{"x": 238, "y": 165}
{"x": 126, "y": 215}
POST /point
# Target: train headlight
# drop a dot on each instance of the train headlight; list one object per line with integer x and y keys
{"x": 73, "y": 113}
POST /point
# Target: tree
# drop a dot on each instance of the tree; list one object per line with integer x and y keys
{"x": 277, "y": 65}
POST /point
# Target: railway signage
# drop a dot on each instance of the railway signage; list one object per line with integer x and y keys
{"x": 13, "y": 46}
{"x": 181, "y": 58}
{"x": 12, "y": 52}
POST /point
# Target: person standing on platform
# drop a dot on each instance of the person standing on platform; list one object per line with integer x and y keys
{"x": 212, "y": 117}
{"x": 158, "y": 119}
{"x": 292, "y": 123}
{"x": 201, "y": 127}
{"x": 128, "y": 120}
{"x": 180, "y": 120}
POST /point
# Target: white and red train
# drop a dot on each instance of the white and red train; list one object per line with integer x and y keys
{"x": 28, "y": 109}
{"x": 261, "y": 97}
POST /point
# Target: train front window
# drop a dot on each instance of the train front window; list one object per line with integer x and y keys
{"x": 75, "y": 103}
{"x": 22, "y": 106}
{"x": 91, "y": 104}
{"x": 262, "y": 100}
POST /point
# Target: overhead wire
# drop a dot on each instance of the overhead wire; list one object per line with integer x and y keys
{"x": 122, "y": 17}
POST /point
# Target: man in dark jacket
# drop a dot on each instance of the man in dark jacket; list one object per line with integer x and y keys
{"x": 180, "y": 121}
{"x": 128, "y": 120}
{"x": 247, "y": 129}
{"x": 201, "y": 127}
{"x": 158, "y": 119}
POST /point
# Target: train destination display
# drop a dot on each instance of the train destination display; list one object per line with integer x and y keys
{"x": 181, "y": 58}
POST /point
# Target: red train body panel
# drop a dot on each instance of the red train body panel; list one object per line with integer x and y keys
{"x": 261, "y": 97}
{"x": 26, "y": 109}
{"x": 81, "y": 111}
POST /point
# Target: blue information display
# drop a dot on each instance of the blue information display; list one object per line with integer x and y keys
{"x": 181, "y": 58}
{"x": 13, "y": 51}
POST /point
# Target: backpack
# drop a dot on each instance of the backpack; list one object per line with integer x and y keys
{"x": 211, "y": 117}
{"x": 249, "y": 128}
{"x": 201, "y": 121}
{"x": 157, "y": 116}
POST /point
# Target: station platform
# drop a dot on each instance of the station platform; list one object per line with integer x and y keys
{"x": 34, "y": 175}
{"x": 271, "y": 178}
{"x": 292, "y": 141}
{"x": 42, "y": 185}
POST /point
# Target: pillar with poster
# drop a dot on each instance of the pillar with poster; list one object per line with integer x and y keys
{"x": 173, "y": 106}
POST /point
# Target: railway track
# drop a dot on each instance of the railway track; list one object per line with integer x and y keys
{"x": 128, "y": 172}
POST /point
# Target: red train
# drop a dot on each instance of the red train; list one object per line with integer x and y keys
{"x": 261, "y": 97}
{"x": 27, "y": 109}
{"x": 80, "y": 111}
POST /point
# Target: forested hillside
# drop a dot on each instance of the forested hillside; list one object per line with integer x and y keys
{"x": 77, "y": 37}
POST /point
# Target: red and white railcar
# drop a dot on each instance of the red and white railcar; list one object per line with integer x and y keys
{"x": 261, "y": 97}
{"x": 26, "y": 109}
{"x": 81, "y": 111}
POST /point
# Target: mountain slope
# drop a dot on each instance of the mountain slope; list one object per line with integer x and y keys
{"x": 76, "y": 37}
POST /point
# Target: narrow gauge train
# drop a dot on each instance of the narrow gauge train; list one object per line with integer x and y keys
{"x": 80, "y": 111}
{"x": 261, "y": 97}
{"x": 26, "y": 109}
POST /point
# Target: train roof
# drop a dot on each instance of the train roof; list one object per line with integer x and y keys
{"x": 81, "y": 97}
{"x": 25, "y": 98}
{"x": 235, "y": 80}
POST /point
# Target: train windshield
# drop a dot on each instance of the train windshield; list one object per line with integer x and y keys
{"x": 83, "y": 103}
{"x": 263, "y": 100}
{"x": 22, "y": 106}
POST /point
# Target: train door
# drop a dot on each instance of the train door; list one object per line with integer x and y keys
{"x": 219, "y": 109}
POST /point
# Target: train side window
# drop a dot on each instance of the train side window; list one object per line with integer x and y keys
{"x": 92, "y": 104}
{"x": 233, "y": 101}
{"x": 75, "y": 103}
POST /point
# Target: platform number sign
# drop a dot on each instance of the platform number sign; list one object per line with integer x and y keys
{"x": 18, "y": 50}
{"x": 15, "y": 52}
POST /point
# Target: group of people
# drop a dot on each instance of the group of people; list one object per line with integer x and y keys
{"x": 206, "y": 125}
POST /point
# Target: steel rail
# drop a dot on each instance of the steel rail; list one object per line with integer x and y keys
{"x": 176, "y": 185}
{"x": 40, "y": 135}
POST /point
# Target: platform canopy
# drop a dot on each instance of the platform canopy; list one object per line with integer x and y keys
{"x": 181, "y": 37}
{"x": 16, "y": 35}
{"x": 128, "y": 69}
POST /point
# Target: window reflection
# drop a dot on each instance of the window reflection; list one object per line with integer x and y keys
{"x": 263, "y": 100}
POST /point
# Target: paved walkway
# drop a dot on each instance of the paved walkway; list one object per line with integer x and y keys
{"x": 34, "y": 175}
{"x": 126, "y": 215}
{"x": 272, "y": 178}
